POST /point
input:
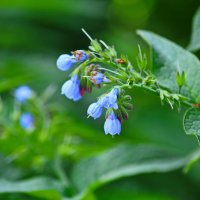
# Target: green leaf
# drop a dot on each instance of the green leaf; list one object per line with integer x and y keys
{"x": 167, "y": 56}
{"x": 40, "y": 187}
{"x": 195, "y": 38}
{"x": 191, "y": 121}
{"x": 123, "y": 161}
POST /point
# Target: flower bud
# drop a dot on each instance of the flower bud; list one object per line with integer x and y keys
{"x": 128, "y": 106}
{"x": 127, "y": 98}
{"x": 80, "y": 55}
{"x": 120, "y": 60}
{"x": 119, "y": 115}
{"x": 95, "y": 46}
{"x": 124, "y": 113}
{"x": 88, "y": 86}
{"x": 180, "y": 79}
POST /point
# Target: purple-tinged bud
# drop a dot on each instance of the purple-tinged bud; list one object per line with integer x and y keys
{"x": 82, "y": 91}
{"x": 83, "y": 84}
{"x": 124, "y": 113}
{"x": 89, "y": 89}
{"x": 98, "y": 78}
{"x": 88, "y": 86}
{"x": 81, "y": 55}
{"x": 89, "y": 69}
{"x": 119, "y": 115}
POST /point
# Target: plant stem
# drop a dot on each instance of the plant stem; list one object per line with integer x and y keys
{"x": 84, "y": 31}
{"x": 156, "y": 92}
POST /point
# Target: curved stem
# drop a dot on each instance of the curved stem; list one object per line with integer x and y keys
{"x": 156, "y": 92}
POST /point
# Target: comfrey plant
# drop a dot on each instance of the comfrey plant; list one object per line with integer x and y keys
{"x": 101, "y": 66}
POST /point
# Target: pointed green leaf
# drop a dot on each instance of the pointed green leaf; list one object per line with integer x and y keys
{"x": 121, "y": 162}
{"x": 191, "y": 121}
{"x": 166, "y": 57}
{"x": 195, "y": 38}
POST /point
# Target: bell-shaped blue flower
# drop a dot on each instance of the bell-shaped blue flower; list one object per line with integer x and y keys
{"x": 99, "y": 78}
{"x": 112, "y": 125}
{"x": 23, "y": 93}
{"x": 71, "y": 88}
{"x": 80, "y": 55}
{"x": 95, "y": 110}
{"x": 109, "y": 100}
{"x": 27, "y": 121}
{"x": 65, "y": 62}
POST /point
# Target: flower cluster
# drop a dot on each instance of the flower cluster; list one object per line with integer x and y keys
{"x": 112, "y": 124}
{"x": 101, "y": 66}
{"x": 94, "y": 68}
{"x": 22, "y": 94}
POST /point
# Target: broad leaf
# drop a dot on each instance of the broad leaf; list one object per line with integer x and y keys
{"x": 168, "y": 58}
{"x": 121, "y": 162}
{"x": 191, "y": 121}
{"x": 195, "y": 38}
{"x": 40, "y": 187}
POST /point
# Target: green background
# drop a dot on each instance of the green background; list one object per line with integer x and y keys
{"x": 32, "y": 36}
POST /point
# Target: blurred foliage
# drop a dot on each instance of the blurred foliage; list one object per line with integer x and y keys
{"x": 32, "y": 36}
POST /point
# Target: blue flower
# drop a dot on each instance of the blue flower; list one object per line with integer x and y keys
{"x": 27, "y": 121}
{"x": 112, "y": 125}
{"x": 110, "y": 99}
{"x": 95, "y": 110}
{"x": 65, "y": 62}
{"x": 71, "y": 88}
{"x": 80, "y": 55}
{"x": 23, "y": 93}
{"x": 99, "y": 78}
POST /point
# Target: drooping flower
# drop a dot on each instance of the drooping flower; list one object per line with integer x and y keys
{"x": 80, "y": 55}
{"x": 112, "y": 125}
{"x": 65, "y": 62}
{"x": 27, "y": 121}
{"x": 98, "y": 78}
{"x": 23, "y": 93}
{"x": 95, "y": 110}
{"x": 71, "y": 88}
{"x": 110, "y": 99}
